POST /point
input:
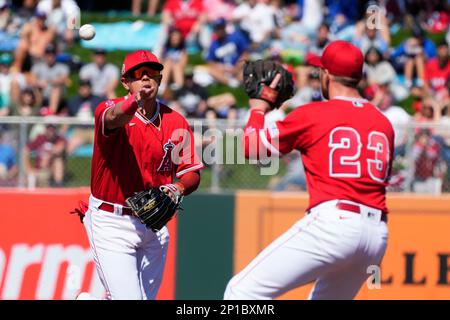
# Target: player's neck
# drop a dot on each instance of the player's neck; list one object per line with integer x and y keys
{"x": 149, "y": 109}
{"x": 338, "y": 90}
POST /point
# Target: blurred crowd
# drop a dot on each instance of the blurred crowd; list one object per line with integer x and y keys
{"x": 406, "y": 75}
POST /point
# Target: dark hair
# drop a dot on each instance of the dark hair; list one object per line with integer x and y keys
{"x": 442, "y": 43}
{"x": 373, "y": 49}
{"x": 418, "y": 32}
{"x": 347, "y": 81}
{"x": 324, "y": 25}
{"x": 168, "y": 44}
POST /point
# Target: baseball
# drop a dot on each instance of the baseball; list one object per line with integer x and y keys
{"x": 87, "y": 32}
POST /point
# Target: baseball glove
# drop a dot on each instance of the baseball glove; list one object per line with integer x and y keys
{"x": 153, "y": 207}
{"x": 259, "y": 74}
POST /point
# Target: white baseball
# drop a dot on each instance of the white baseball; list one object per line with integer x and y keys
{"x": 87, "y": 32}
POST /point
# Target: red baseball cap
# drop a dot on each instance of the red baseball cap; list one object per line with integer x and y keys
{"x": 340, "y": 58}
{"x": 139, "y": 57}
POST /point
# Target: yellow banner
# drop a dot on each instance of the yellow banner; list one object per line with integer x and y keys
{"x": 417, "y": 260}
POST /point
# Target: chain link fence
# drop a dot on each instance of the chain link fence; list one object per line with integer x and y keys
{"x": 56, "y": 152}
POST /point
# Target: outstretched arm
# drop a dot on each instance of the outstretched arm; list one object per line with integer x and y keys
{"x": 255, "y": 124}
{"x": 121, "y": 113}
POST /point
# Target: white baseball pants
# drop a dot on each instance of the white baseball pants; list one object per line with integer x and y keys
{"x": 129, "y": 257}
{"x": 332, "y": 247}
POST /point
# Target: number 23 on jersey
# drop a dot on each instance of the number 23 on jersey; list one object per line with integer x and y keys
{"x": 345, "y": 154}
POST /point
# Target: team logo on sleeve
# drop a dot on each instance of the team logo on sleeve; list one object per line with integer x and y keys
{"x": 166, "y": 163}
{"x": 110, "y": 103}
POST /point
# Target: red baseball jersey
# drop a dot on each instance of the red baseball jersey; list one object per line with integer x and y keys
{"x": 347, "y": 149}
{"x": 140, "y": 156}
{"x": 435, "y": 76}
{"x": 184, "y": 13}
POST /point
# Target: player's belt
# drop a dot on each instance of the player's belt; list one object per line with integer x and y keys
{"x": 110, "y": 208}
{"x": 356, "y": 209}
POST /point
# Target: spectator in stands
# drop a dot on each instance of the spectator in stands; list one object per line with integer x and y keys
{"x": 219, "y": 9}
{"x": 152, "y": 6}
{"x": 51, "y": 78}
{"x": 307, "y": 92}
{"x": 8, "y": 162}
{"x": 10, "y": 84}
{"x": 59, "y": 12}
{"x": 342, "y": 16}
{"x": 29, "y": 103}
{"x": 321, "y": 40}
{"x": 226, "y": 55}
{"x": 6, "y": 19}
{"x": 310, "y": 14}
{"x": 427, "y": 111}
{"x": 5, "y": 84}
{"x": 25, "y": 13}
{"x": 215, "y": 9}
{"x": 429, "y": 169}
{"x": 222, "y": 106}
{"x": 256, "y": 21}
{"x": 437, "y": 73}
{"x": 48, "y": 149}
{"x": 378, "y": 71}
{"x": 381, "y": 96}
{"x": 369, "y": 35}
{"x": 104, "y": 76}
{"x": 188, "y": 16}
{"x": 35, "y": 37}
{"x": 174, "y": 59}
{"x": 409, "y": 58}
{"x": 294, "y": 38}
{"x": 82, "y": 107}
{"x": 442, "y": 132}
{"x": 190, "y": 100}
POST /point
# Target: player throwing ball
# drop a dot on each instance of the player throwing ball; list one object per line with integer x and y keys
{"x": 140, "y": 146}
{"x": 347, "y": 149}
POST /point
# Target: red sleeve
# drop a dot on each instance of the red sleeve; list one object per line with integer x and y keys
{"x": 290, "y": 132}
{"x": 428, "y": 70}
{"x": 169, "y": 6}
{"x": 277, "y": 139}
{"x": 100, "y": 130}
{"x": 185, "y": 156}
{"x": 36, "y": 143}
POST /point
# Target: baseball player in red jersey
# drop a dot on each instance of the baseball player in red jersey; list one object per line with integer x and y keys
{"x": 347, "y": 148}
{"x": 135, "y": 140}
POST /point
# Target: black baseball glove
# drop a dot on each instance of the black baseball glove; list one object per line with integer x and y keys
{"x": 154, "y": 207}
{"x": 259, "y": 74}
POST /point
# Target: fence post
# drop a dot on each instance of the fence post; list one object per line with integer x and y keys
{"x": 23, "y": 128}
{"x": 409, "y": 155}
{"x": 215, "y": 177}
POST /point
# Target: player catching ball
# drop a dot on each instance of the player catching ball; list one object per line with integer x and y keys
{"x": 140, "y": 146}
{"x": 347, "y": 149}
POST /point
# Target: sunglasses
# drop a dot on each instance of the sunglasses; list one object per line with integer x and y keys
{"x": 138, "y": 73}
